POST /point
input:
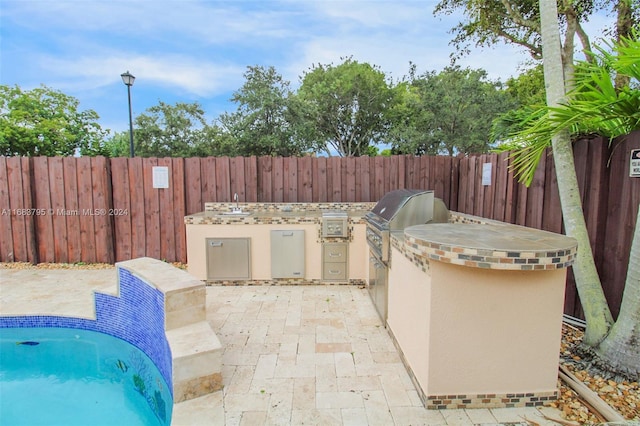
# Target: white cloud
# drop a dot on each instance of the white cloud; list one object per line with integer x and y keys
{"x": 179, "y": 73}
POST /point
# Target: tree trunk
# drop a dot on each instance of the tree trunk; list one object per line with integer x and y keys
{"x": 621, "y": 348}
{"x": 594, "y": 304}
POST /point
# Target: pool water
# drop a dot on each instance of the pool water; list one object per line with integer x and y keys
{"x": 63, "y": 376}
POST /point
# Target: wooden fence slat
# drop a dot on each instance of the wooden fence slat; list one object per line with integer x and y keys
{"x": 138, "y": 213}
{"x": 335, "y": 189}
{"x": 208, "y": 177}
{"x": 305, "y": 180}
{"x": 473, "y": 184}
{"x": 265, "y": 185}
{"x": 30, "y": 224}
{"x": 379, "y": 180}
{"x": 151, "y": 209}
{"x": 57, "y": 190}
{"x": 74, "y": 249}
{"x": 392, "y": 171}
{"x": 122, "y": 207}
{"x": 102, "y": 193}
{"x": 18, "y": 215}
{"x": 237, "y": 179}
{"x": 277, "y": 179}
{"x": 179, "y": 210}
{"x": 552, "y": 212}
{"x": 85, "y": 204}
{"x": 500, "y": 192}
{"x": 349, "y": 180}
{"x": 251, "y": 179}
{"x": 193, "y": 185}
{"x": 223, "y": 180}
{"x": 623, "y": 201}
{"x": 535, "y": 196}
{"x": 6, "y": 214}
{"x": 165, "y": 211}
{"x": 44, "y": 223}
{"x": 290, "y": 179}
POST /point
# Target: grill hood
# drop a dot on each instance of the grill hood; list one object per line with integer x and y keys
{"x": 401, "y": 208}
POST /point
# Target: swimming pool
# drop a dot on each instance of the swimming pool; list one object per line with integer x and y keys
{"x": 71, "y": 376}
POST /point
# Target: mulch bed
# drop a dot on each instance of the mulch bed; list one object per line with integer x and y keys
{"x": 623, "y": 396}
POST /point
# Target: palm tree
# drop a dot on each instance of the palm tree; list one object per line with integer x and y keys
{"x": 588, "y": 283}
{"x": 594, "y": 105}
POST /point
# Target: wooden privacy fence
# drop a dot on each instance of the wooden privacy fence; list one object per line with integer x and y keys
{"x": 95, "y": 209}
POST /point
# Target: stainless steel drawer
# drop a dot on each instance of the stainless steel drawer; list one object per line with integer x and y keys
{"x": 334, "y": 271}
{"x": 334, "y": 253}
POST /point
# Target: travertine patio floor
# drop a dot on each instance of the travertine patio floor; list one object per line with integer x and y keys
{"x": 293, "y": 355}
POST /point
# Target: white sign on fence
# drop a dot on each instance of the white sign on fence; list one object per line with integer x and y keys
{"x": 486, "y": 174}
{"x": 160, "y": 177}
{"x": 634, "y": 164}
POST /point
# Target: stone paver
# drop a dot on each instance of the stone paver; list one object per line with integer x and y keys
{"x": 293, "y": 355}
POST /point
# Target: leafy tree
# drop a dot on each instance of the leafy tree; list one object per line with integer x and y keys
{"x": 262, "y": 123}
{"x": 594, "y": 105}
{"x": 528, "y": 92}
{"x": 448, "y": 112}
{"x": 170, "y": 130}
{"x": 117, "y": 145}
{"x": 44, "y": 121}
{"x": 343, "y": 108}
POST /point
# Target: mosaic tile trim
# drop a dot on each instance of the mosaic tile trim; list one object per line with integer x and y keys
{"x": 284, "y": 282}
{"x": 136, "y": 316}
{"x": 489, "y": 259}
{"x": 446, "y": 402}
{"x": 509, "y": 400}
{"x": 397, "y": 241}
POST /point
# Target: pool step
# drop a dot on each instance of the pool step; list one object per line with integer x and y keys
{"x": 197, "y": 361}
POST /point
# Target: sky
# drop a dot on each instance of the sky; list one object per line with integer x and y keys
{"x": 198, "y": 50}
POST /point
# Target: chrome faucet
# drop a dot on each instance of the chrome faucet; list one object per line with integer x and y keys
{"x": 235, "y": 198}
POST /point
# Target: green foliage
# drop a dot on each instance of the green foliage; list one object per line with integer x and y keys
{"x": 487, "y": 22}
{"x": 117, "y": 145}
{"x": 262, "y": 125}
{"x": 447, "y": 113}
{"x": 528, "y": 87}
{"x": 170, "y": 131}
{"x": 43, "y": 121}
{"x": 593, "y": 106}
{"x": 343, "y": 108}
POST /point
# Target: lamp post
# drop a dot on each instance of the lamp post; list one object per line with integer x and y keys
{"x": 128, "y": 79}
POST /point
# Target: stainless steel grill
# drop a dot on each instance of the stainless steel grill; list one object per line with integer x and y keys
{"x": 394, "y": 212}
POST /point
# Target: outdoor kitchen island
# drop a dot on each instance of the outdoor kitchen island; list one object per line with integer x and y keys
{"x": 278, "y": 243}
{"x": 475, "y": 310}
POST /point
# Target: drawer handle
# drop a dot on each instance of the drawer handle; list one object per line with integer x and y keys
{"x": 215, "y": 243}
{"x": 287, "y": 234}
{"x": 334, "y": 272}
{"x": 335, "y": 254}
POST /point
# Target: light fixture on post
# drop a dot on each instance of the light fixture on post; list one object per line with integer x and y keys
{"x": 128, "y": 79}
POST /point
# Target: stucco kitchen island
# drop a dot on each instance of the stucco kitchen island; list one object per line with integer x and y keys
{"x": 476, "y": 311}
{"x": 321, "y": 256}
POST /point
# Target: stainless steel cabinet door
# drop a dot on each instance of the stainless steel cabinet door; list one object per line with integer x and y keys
{"x": 287, "y": 254}
{"x": 228, "y": 258}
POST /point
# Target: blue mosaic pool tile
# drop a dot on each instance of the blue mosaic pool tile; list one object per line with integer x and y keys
{"x": 136, "y": 316}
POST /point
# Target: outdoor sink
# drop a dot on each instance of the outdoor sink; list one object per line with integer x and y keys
{"x": 234, "y": 213}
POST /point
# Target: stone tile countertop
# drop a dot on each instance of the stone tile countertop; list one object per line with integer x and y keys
{"x": 490, "y": 246}
{"x": 268, "y": 213}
